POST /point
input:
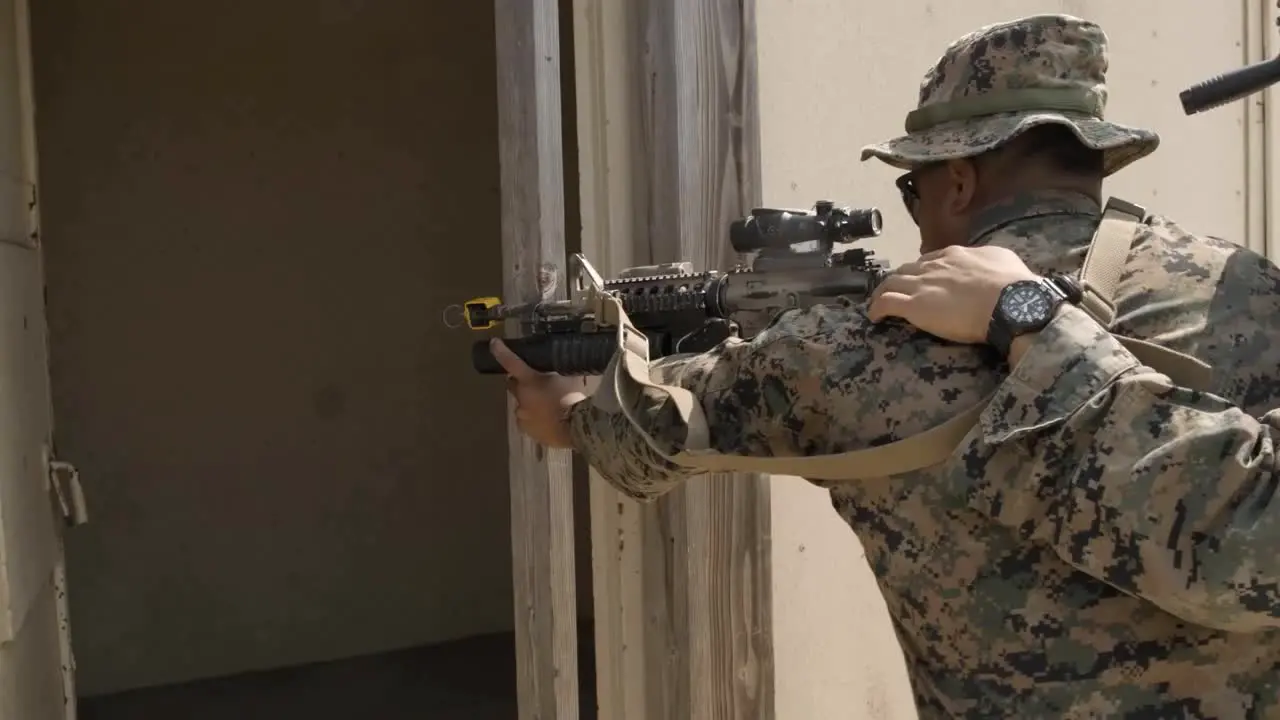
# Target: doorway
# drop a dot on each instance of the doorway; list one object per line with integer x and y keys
{"x": 253, "y": 216}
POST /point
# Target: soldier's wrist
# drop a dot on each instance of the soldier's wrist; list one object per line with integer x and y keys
{"x": 1020, "y": 346}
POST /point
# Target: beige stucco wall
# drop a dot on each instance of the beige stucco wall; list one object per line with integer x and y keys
{"x": 835, "y": 75}
{"x": 254, "y": 216}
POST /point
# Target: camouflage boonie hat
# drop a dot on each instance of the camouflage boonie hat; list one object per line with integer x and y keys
{"x": 1001, "y": 80}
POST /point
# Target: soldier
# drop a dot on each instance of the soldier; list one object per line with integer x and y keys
{"x": 1024, "y": 578}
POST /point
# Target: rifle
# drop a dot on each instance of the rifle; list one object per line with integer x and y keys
{"x": 682, "y": 311}
{"x": 1231, "y": 85}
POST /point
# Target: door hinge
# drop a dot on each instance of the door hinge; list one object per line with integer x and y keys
{"x": 64, "y": 483}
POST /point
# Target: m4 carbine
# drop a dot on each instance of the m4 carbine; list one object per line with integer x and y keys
{"x": 794, "y": 265}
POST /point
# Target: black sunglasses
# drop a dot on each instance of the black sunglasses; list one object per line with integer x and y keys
{"x": 907, "y": 188}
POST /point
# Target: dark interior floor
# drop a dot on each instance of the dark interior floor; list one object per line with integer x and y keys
{"x": 472, "y": 679}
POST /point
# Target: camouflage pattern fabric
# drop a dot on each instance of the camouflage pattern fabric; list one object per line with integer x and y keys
{"x": 1003, "y": 79}
{"x": 1098, "y": 547}
{"x": 1079, "y": 558}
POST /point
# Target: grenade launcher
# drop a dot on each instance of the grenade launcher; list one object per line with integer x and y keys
{"x": 794, "y": 264}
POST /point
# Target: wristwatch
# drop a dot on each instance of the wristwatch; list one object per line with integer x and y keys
{"x": 1027, "y": 306}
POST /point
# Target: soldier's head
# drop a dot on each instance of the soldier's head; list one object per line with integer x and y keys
{"x": 1008, "y": 108}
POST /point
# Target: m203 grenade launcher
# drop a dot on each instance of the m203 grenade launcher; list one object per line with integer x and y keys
{"x": 793, "y": 264}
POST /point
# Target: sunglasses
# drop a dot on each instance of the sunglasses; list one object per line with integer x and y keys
{"x": 907, "y": 188}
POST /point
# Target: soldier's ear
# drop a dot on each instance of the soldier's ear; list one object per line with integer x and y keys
{"x": 962, "y": 186}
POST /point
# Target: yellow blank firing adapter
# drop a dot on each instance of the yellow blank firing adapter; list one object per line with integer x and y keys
{"x": 477, "y": 312}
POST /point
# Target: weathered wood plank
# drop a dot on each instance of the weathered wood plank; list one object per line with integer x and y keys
{"x": 718, "y": 526}
{"x": 611, "y": 168}
{"x": 530, "y": 151}
{"x": 669, "y": 156}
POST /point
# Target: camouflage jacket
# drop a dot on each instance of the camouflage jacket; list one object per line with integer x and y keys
{"x": 1054, "y": 568}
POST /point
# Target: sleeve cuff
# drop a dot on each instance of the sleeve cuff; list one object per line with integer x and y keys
{"x": 1071, "y": 361}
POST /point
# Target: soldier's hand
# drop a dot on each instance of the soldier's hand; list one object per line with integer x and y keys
{"x": 542, "y": 399}
{"x": 950, "y": 292}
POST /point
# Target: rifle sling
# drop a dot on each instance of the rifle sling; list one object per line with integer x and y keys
{"x": 627, "y": 378}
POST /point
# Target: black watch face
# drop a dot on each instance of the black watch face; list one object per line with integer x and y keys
{"x": 1025, "y": 304}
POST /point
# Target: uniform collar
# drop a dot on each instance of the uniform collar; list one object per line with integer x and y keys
{"x": 1030, "y": 204}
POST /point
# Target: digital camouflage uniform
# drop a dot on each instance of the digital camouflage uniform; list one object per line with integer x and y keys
{"x": 1097, "y": 547}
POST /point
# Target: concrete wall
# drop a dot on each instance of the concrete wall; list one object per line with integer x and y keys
{"x": 835, "y": 75}
{"x": 254, "y": 215}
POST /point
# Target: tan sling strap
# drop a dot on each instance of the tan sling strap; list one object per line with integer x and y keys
{"x": 627, "y": 378}
{"x": 1100, "y": 275}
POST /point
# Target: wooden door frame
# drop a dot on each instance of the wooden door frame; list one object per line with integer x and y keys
{"x": 668, "y": 147}
{"x": 31, "y": 174}
{"x": 39, "y": 543}
{"x": 1260, "y": 157}
{"x": 1263, "y": 120}
{"x": 668, "y": 139}
{"x": 531, "y": 156}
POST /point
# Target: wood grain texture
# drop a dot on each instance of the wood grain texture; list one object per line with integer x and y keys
{"x": 530, "y": 151}
{"x": 669, "y": 156}
{"x": 715, "y": 530}
{"x": 611, "y": 172}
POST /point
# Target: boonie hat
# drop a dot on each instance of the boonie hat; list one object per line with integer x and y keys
{"x": 997, "y": 82}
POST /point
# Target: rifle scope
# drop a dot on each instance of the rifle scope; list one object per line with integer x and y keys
{"x": 773, "y": 229}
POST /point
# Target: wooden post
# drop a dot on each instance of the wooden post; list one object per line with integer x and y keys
{"x": 533, "y": 256}
{"x": 1257, "y": 32}
{"x": 668, "y": 157}
{"x": 612, "y": 172}
{"x": 1269, "y": 138}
